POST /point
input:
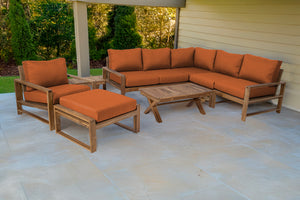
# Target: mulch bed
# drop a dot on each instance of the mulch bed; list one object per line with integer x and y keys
{"x": 11, "y": 69}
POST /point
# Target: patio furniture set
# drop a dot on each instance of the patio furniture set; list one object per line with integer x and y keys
{"x": 163, "y": 76}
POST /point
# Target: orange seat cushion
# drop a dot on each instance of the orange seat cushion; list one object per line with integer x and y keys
{"x": 236, "y": 87}
{"x": 182, "y": 57}
{"x": 170, "y": 75}
{"x": 156, "y": 58}
{"x": 46, "y": 73}
{"x": 125, "y": 60}
{"x": 58, "y": 91}
{"x": 228, "y": 63}
{"x": 137, "y": 78}
{"x": 99, "y": 104}
{"x": 206, "y": 78}
{"x": 204, "y": 58}
{"x": 259, "y": 69}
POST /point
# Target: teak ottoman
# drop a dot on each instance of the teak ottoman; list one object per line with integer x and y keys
{"x": 95, "y": 109}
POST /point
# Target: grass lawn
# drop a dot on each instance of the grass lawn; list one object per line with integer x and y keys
{"x": 7, "y": 82}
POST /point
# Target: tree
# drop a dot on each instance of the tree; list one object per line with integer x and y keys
{"x": 5, "y": 34}
{"x": 54, "y": 27}
{"x": 156, "y": 25}
{"x": 21, "y": 37}
{"x": 125, "y": 32}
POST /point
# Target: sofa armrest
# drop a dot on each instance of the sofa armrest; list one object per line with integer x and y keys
{"x": 107, "y": 71}
{"x": 32, "y": 85}
{"x": 277, "y": 84}
{"x": 266, "y": 84}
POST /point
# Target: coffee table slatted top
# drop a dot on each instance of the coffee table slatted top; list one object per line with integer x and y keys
{"x": 174, "y": 92}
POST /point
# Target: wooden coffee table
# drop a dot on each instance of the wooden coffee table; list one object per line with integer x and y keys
{"x": 162, "y": 95}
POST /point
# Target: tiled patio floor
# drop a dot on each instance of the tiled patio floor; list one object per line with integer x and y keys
{"x": 188, "y": 156}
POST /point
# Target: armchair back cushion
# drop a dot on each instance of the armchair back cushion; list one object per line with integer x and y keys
{"x": 125, "y": 60}
{"x": 46, "y": 73}
{"x": 204, "y": 58}
{"x": 182, "y": 57}
{"x": 228, "y": 63}
{"x": 259, "y": 69}
{"x": 156, "y": 58}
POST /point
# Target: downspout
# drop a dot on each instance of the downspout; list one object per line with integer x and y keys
{"x": 176, "y": 28}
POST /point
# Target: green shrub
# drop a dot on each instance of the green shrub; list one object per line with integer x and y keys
{"x": 21, "y": 37}
{"x": 125, "y": 33}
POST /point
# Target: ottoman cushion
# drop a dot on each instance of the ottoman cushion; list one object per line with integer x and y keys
{"x": 99, "y": 104}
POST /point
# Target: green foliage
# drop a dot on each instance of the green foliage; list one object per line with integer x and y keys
{"x": 5, "y": 35}
{"x": 156, "y": 25}
{"x": 54, "y": 28}
{"x": 125, "y": 33}
{"x": 21, "y": 37}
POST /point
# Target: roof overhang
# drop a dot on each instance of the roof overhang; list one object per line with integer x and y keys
{"x": 156, "y": 3}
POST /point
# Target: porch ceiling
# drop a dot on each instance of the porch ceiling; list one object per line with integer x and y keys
{"x": 157, "y": 3}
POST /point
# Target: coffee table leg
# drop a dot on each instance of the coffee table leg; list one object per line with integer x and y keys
{"x": 153, "y": 107}
{"x": 199, "y": 105}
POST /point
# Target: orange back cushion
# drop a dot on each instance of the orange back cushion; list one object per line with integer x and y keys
{"x": 204, "y": 58}
{"x": 182, "y": 57}
{"x": 259, "y": 69}
{"x": 125, "y": 60}
{"x": 156, "y": 58}
{"x": 46, "y": 73}
{"x": 228, "y": 63}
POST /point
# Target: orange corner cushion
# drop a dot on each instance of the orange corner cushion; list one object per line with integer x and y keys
{"x": 156, "y": 58}
{"x": 46, "y": 73}
{"x": 58, "y": 91}
{"x": 183, "y": 57}
{"x": 259, "y": 69}
{"x": 228, "y": 63}
{"x": 99, "y": 104}
{"x": 204, "y": 58}
{"x": 125, "y": 60}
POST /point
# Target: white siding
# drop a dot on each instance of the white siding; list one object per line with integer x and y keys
{"x": 267, "y": 28}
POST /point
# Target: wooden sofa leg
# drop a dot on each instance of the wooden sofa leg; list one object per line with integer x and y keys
{"x": 50, "y": 110}
{"x": 136, "y": 119}
{"x": 245, "y": 104}
{"x": 19, "y": 97}
{"x": 280, "y": 99}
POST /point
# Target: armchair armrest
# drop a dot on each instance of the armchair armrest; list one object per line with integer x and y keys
{"x": 32, "y": 85}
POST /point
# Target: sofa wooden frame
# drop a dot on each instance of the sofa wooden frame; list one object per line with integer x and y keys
{"x": 245, "y": 102}
{"x": 20, "y": 87}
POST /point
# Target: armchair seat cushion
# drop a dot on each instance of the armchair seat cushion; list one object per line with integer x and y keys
{"x": 137, "y": 78}
{"x": 58, "y": 91}
{"x": 99, "y": 104}
{"x": 236, "y": 87}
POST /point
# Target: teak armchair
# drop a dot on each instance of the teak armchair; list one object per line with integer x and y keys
{"x": 41, "y": 84}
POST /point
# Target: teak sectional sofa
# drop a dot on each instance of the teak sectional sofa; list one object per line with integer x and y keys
{"x": 245, "y": 79}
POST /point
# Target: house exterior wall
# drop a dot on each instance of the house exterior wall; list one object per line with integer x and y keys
{"x": 268, "y": 28}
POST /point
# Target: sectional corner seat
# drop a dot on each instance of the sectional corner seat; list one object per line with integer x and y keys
{"x": 245, "y": 79}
